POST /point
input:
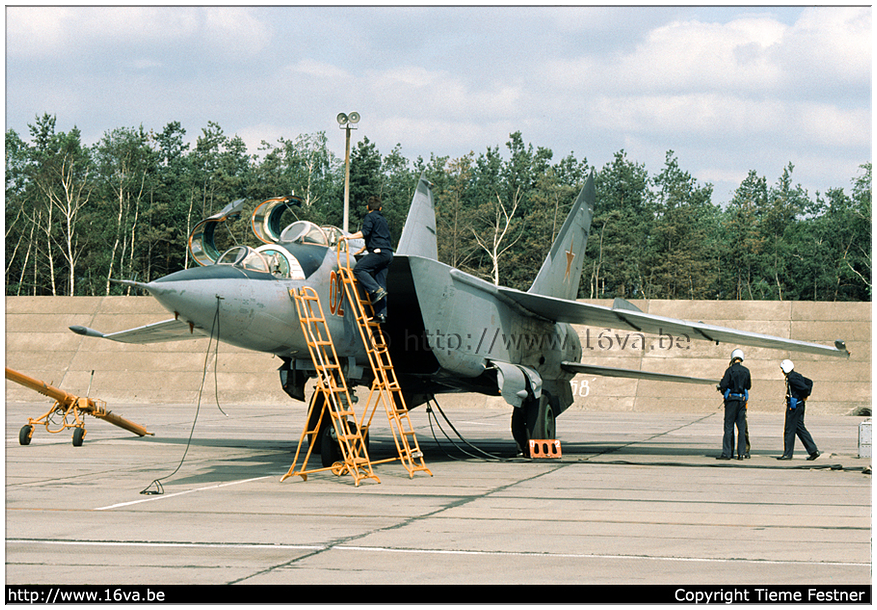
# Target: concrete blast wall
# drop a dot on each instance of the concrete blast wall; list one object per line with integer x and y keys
{"x": 839, "y": 385}
{"x": 39, "y": 344}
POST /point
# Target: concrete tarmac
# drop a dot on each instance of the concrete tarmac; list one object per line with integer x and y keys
{"x": 636, "y": 498}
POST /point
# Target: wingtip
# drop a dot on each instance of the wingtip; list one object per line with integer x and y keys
{"x": 86, "y": 332}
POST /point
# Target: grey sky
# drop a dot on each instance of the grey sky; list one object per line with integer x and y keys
{"x": 728, "y": 89}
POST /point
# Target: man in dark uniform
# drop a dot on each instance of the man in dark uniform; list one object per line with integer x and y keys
{"x": 798, "y": 388}
{"x": 735, "y": 387}
{"x": 372, "y": 269}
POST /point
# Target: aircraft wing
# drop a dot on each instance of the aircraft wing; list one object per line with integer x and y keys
{"x": 625, "y": 316}
{"x": 606, "y": 371}
{"x": 159, "y": 332}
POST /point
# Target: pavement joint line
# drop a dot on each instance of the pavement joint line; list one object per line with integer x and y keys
{"x": 157, "y": 543}
{"x": 180, "y": 493}
{"x": 699, "y": 418}
{"x": 590, "y": 556}
{"x": 379, "y": 549}
{"x": 403, "y": 523}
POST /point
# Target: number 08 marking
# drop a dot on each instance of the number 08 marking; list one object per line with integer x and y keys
{"x": 580, "y": 388}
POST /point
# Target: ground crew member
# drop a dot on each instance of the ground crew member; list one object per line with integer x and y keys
{"x": 798, "y": 388}
{"x": 372, "y": 269}
{"x": 735, "y": 386}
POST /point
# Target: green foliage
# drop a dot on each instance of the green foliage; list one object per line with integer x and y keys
{"x": 620, "y": 242}
{"x": 681, "y": 265}
{"x": 77, "y": 217}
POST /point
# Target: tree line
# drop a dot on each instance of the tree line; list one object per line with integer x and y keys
{"x": 78, "y": 216}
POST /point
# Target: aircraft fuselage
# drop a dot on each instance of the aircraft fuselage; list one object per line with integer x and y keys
{"x": 448, "y": 334}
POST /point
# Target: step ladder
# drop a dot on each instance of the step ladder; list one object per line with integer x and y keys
{"x": 331, "y": 397}
{"x": 385, "y": 389}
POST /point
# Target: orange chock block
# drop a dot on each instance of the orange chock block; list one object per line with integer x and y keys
{"x": 545, "y": 448}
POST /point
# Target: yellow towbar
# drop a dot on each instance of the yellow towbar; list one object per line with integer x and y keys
{"x": 69, "y": 408}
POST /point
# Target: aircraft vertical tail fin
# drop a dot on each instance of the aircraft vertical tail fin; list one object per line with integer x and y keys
{"x": 562, "y": 270}
{"x": 418, "y": 235}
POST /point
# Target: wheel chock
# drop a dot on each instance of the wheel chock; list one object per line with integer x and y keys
{"x": 548, "y": 448}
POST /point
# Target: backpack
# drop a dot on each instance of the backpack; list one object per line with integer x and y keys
{"x": 809, "y": 384}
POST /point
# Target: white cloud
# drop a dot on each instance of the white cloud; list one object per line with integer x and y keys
{"x": 727, "y": 88}
{"x": 320, "y": 70}
{"x": 685, "y": 56}
{"x": 46, "y": 31}
{"x": 708, "y": 115}
{"x": 430, "y": 95}
{"x": 838, "y": 39}
{"x": 235, "y": 31}
{"x": 36, "y": 31}
{"x": 826, "y": 124}
{"x": 230, "y": 31}
{"x": 754, "y": 54}
{"x": 439, "y": 136}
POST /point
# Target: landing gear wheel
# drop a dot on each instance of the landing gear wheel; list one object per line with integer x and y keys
{"x": 314, "y": 439}
{"x": 330, "y": 449}
{"x": 519, "y": 430}
{"x": 78, "y": 436}
{"x": 544, "y": 425}
{"x": 535, "y": 419}
{"x": 25, "y": 434}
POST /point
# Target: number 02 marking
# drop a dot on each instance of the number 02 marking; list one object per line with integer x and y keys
{"x": 336, "y": 295}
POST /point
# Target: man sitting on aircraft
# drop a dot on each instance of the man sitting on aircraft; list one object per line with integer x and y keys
{"x": 371, "y": 270}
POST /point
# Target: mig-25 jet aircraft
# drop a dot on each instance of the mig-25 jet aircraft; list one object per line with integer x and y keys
{"x": 446, "y": 328}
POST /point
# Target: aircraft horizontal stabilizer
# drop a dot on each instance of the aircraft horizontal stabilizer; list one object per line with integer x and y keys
{"x": 628, "y": 318}
{"x": 159, "y": 332}
{"x": 606, "y": 371}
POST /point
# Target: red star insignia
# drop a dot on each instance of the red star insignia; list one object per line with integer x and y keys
{"x": 570, "y": 256}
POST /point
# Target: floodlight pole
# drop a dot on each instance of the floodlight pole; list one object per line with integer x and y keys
{"x": 346, "y": 122}
{"x": 345, "y": 226}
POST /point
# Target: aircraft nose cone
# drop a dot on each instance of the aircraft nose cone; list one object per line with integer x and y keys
{"x": 195, "y": 294}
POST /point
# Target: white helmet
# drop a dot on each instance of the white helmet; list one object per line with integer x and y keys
{"x": 737, "y": 353}
{"x": 787, "y": 366}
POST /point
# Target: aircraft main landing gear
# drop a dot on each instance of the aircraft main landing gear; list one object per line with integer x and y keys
{"x": 535, "y": 419}
{"x": 330, "y": 450}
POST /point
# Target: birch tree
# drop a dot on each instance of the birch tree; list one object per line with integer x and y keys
{"x": 62, "y": 178}
{"x": 125, "y": 162}
{"x": 492, "y": 239}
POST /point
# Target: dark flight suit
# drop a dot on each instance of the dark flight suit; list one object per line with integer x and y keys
{"x": 372, "y": 269}
{"x": 799, "y": 388}
{"x": 734, "y": 387}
